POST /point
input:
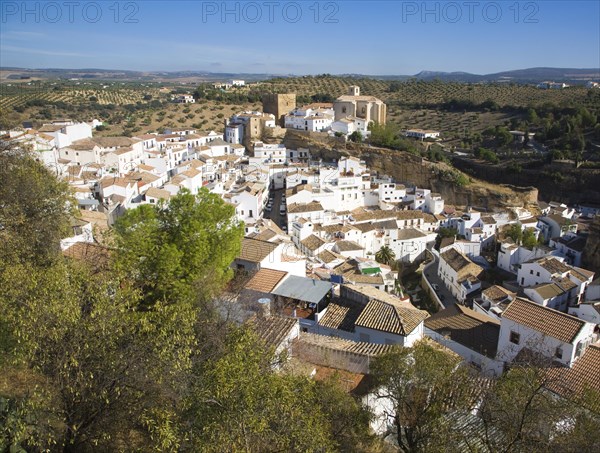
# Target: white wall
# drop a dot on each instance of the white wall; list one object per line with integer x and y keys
{"x": 536, "y": 341}
{"x": 489, "y": 367}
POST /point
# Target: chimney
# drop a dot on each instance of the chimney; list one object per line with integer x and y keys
{"x": 264, "y": 307}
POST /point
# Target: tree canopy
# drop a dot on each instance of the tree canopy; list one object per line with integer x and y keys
{"x": 170, "y": 251}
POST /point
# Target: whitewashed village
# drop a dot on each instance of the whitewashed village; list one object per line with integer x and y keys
{"x": 340, "y": 263}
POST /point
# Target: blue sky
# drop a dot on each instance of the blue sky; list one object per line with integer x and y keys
{"x": 301, "y": 37}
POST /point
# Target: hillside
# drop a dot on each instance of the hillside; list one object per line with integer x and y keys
{"x": 414, "y": 170}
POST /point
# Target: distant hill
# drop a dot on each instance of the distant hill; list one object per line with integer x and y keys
{"x": 531, "y": 75}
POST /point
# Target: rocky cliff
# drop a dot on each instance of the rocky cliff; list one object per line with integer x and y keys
{"x": 591, "y": 253}
{"x": 555, "y": 182}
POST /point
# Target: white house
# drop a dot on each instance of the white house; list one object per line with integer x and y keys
{"x": 249, "y": 201}
{"x": 269, "y": 153}
{"x": 66, "y": 134}
{"x": 366, "y": 314}
{"x": 471, "y": 335}
{"x": 459, "y": 273}
{"x": 184, "y": 99}
{"x": 588, "y": 311}
{"x": 312, "y": 211}
{"x": 552, "y": 270}
{"x": 346, "y": 126}
{"x": 511, "y": 256}
{"x": 313, "y": 117}
{"x": 570, "y": 246}
{"x": 555, "y": 226}
{"x": 259, "y": 254}
{"x": 556, "y": 335}
{"x": 421, "y": 133}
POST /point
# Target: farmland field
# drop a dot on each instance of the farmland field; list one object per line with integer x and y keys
{"x": 145, "y": 106}
{"x": 416, "y": 92}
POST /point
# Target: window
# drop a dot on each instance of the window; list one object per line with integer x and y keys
{"x": 538, "y": 274}
{"x": 515, "y": 337}
{"x": 558, "y": 353}
{"x": 531, "y": 271}
{"x": 580, "y": 348}
{"x": 343, "y": 109}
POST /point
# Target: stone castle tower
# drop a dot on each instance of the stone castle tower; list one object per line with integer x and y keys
{"x": 279, "y": 105}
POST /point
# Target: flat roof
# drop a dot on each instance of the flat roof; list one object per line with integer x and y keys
{"x": 303, "y": 289}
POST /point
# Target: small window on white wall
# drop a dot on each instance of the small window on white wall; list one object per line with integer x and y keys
{"x": 514, "y": 337}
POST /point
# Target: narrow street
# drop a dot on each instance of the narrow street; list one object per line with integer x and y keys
{"x": 445, "y": 296}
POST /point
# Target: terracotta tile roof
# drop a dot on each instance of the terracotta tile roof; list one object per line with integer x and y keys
{"x": 191, "y": 173}
{"x": 409, "y": 233}
{"x": 553, "y": 265}
{"x": 464, "y": 267}
{"x": 161, "y": 194}
{"x": 350, "y": 271}
{"x": 341, "y": 315}
{"x": 576, "y": 243}
{"x": 300, "y": 187}
{"x": 365, "y": 227}
{"x": 497, "y": 293}
{"x": 255, "y": 250}
{"x": 395, "y": 318}
{"x": 274, "y": 329}
{"x": 97, "y": 256}
{"x": 347, "y": 246}
{"x": 265, "y": 235}
{"x": 312, "y": 242}
{"x": 115, "y": 142}
{"x": 110, "y": 181}
{"x": 581, "y": 274}
{"x": 455, "y": 259}
{"x": 362, "y": 215}
{"x": 305, "y": 207}
{"x": 339, "y": 344}
{"x": 550, "y": 322}
{"x": 585, "y": 374}
{"x": 409, "y": 215}
{"x": 327, "y": 256}
{"x": 467, "y": 327}
{"x": 265, "y": 280}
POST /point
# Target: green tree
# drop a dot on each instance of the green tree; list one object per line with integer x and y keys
{"x": 385, "y": 255}
{"x": 423, "y": 385}
{"x": 515, "y": 232}
{"x": 356, "y": 137}
{"x": 529, "y": 239}
{"x": 178, "y": 250}
{"x": 444, "y": 232}
{"x": 35, "y": 209}
{"x": 519, "y": 413}
{"x": 241, "y": 404}
{"x": 102, "y": 363}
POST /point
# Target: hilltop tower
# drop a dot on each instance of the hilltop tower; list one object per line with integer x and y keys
{"x": 279, "y": 105}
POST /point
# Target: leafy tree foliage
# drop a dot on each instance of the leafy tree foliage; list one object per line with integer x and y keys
{"x": 423, "y": 385}
{"x": 444, "y": 232}
{"x": 241, "y": 404}
{"x": 174, "y": 251}
{"x": 35, "y": 209}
